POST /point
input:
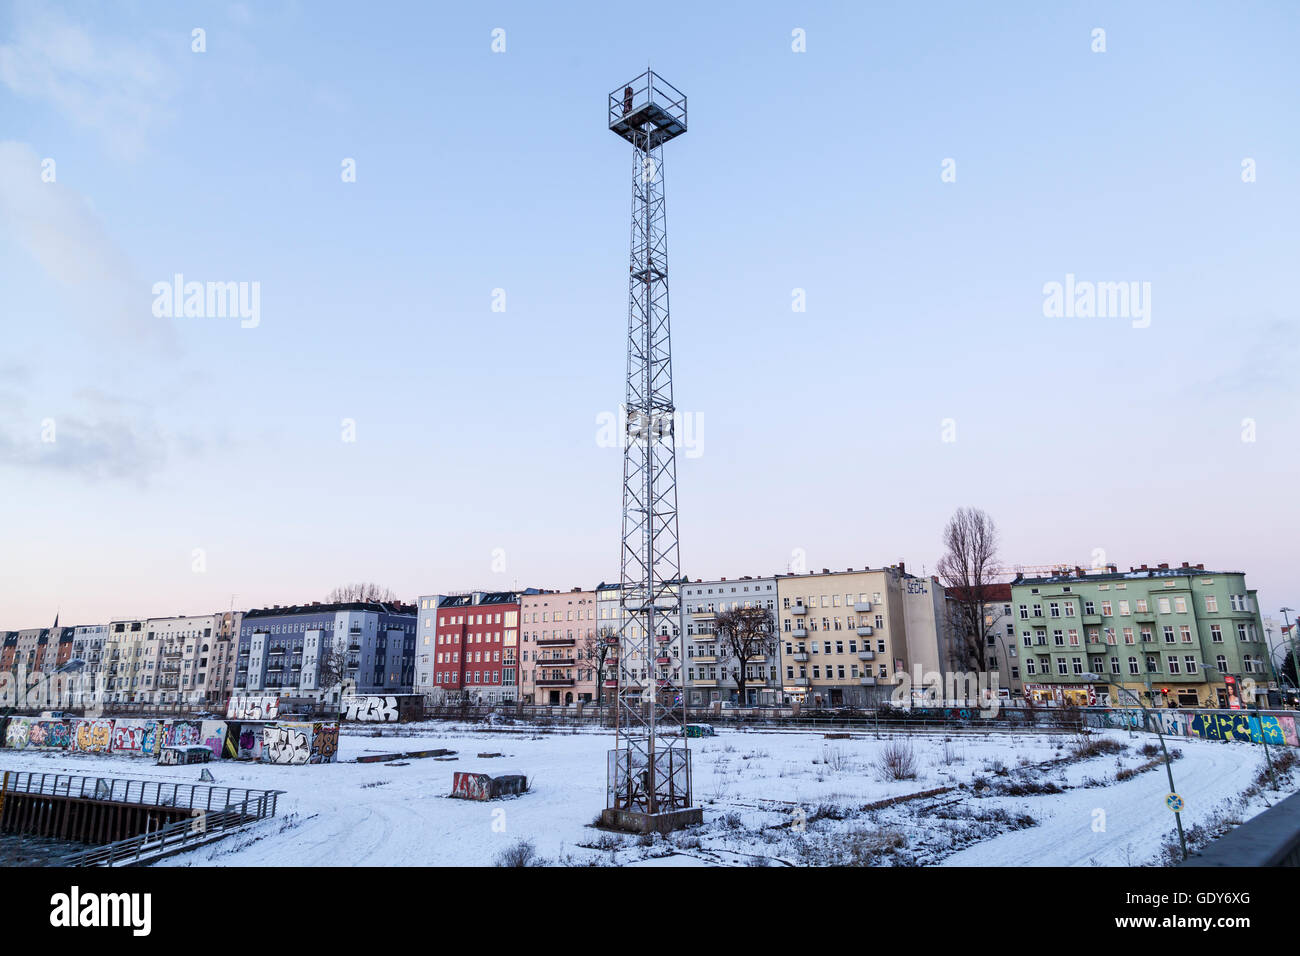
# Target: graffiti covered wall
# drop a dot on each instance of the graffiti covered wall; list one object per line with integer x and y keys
{"x": 371, "y": 709}
{"x": 300, "y": 743}
{"x": 50, "y": 734}
{"x": 136, "y": 737}
{"x": 18, "y": 732}
{"x": 253, "y": 708}
{"x": 1275, "y": 728}
{"x": 213, "y": 734}
{"x": 93, "y": 736}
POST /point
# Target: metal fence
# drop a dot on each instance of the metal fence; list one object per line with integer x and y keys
{"x": 172, "y": 838}
{"x": 150, "y": 793}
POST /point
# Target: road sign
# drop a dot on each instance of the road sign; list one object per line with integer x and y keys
{"x": 1174, "y": 802}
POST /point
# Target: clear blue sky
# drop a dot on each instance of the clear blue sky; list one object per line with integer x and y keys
{"x": 476, "y": 430}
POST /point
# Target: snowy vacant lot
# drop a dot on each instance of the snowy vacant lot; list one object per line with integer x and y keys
{"x": 770, "y": 798}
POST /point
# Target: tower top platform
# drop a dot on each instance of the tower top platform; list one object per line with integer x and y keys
{"x": 647, "y": 111}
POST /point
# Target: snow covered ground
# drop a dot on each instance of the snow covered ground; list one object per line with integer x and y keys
{"x": 770, "y": 798}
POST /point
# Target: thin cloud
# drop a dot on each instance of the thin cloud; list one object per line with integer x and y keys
{"x": 113, "y": 85}
{"x": 57, "y": 226}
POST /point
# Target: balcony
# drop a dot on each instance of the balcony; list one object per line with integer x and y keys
{"x": 796, "y": 682}
{"x": 705, "y": 659}
{"x": 704, "y": 682}
{"x": 555, "y": 662}
{"x": 797, "y": 609}
{"x": 800, "y": 632}
{"x": 862, "y": 607}
{"x": 866, "y": 630}
{"x": 1092, "y": 619}
{"x": 557, "y": 682}
{"x": 663, "y": 660}
{"x": 801, "y": 657}
{"x": 866, "y": 655}
{"x": 557, "y": 641}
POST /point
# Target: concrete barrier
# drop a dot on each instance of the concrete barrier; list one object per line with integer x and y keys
{"x": 469, "y": 785}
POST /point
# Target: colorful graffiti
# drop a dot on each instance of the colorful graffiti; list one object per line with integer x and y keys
{"x": 324, "y": 743}
{"x": 183, "y": 733}
{"x": 253, "y": 708}
{"x": 18, "y": 733}
{"x": 249, "y": 742}
{"x": 50, "y": 734}
{"x": 135, "y": 737}
{"x": 468, "y": 785}
{"x": 287, "y": 744}
{"x": 1279, "y": 729}
{"x": 370, "y": 709}
{"x": 213, "y": 733}
{"x": 93, "y": 736}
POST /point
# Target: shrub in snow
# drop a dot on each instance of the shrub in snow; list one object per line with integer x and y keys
{"x": 522, "y": 853}
{"x": 1091, "y": 746}
{"x": 897, "y": 761}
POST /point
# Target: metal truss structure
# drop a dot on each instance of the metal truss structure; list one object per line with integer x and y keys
{"x": 649, "y": 770}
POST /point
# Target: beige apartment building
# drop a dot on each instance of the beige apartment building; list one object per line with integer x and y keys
{"x": 132, "y": 662}
{"x": 843, "y": 636}
{"x": 558, "y": 631}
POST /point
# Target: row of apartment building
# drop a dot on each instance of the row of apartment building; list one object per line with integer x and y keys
{"x": 842, "y": 638}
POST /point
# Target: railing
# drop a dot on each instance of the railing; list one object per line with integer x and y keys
{"x": 171, "y": 838}
{"x": 153, "y": 793}
{"x": 1270, "y": 839}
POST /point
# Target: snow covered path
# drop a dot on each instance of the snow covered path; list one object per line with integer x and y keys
{"x": 1131, "y": 817}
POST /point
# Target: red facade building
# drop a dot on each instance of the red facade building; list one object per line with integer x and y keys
{"x": 476, "y": 654}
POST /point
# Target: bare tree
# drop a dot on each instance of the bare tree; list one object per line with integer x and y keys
{"x": 967, "y": 567}
{"x": 744, "y": 633}
{"x": 598, "y": 651}
{"x": 368, "y": 591}
{"x": 333, "y": 667}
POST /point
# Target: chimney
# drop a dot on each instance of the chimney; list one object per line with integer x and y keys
{"x": 1200, "y": 567}
{"x": 1114, "y": 569}
{"x": 724, "y": 579}
{"x": 1078, "y": 571}
{"x": 826, "y": 570}
{"x": 1164, "y": 566}
{"x": 902, "y": 567}
{"x": 1145, "y": 568}
{"x": 1185, "y": 564}
{"x": 850, "y": 569}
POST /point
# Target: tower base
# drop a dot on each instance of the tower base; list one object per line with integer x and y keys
{"x": 634, "y": 821}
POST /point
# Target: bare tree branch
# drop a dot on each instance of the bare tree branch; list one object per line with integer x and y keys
{"x": 966, "y": 569}
{"x": 744, "y": 633}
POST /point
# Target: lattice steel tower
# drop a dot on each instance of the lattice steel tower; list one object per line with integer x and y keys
{"x": 649, "y": 771}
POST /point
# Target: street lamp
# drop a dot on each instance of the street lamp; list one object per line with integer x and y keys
{"x": 1147, "y": 717}
{"x": 1295, "y": 658}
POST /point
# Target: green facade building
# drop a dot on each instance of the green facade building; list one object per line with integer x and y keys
{"x": 1190, "y": 636}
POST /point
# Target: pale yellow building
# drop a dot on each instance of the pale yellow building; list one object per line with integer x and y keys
{"x": 843, "y": 639}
